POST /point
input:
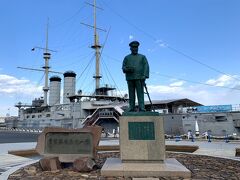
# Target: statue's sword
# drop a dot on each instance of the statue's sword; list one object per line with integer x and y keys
{"x": 145, "y": 86}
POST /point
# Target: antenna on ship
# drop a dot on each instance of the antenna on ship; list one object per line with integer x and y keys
{"x": 96, "y": 46}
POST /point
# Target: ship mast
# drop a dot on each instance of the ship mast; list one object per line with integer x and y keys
{"x": 46, "y": 67}
{"x": 46, "y": 56}
{"x": 96, "y": 47}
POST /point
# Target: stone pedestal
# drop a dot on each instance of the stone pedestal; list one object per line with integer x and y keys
{"x": 170, "y": 168}
{"x": 142, "y": 137}
{"x": 142, "y": 149}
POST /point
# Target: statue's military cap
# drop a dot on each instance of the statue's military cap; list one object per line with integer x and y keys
{"x": 134, "y": 44}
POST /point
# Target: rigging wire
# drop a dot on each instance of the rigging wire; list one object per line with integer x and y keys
{"x": 69, "y": 18}
{"x": 199, "y": 62}
{"x": 38, "y": 84}
{"x": 68, "y": 56}
{"x": 89, "y": 63}
{"x": 70, "y": 41}
{"x": 68, "y": 33}
{"x": 195, "y": 82}
{"x": 76, "y": 61}
{"x": 106, "y": 73}
{"x": 105, "y": 66}
{"x": 115, "y": 84}
{"x": 81, "y": 73}
{"x": 83, "y": 82}
{"x": 71, "y": 45}
{"x": 104, "y": 43}
{"x": 170, "y": 47}
{"x": 91, "y": 87}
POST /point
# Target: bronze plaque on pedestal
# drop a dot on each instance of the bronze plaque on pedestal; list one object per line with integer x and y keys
{"x": 141, "y": 131}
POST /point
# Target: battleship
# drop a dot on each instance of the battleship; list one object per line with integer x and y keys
{"x": 76, "y": 108}
{"x": 103, "y": 108}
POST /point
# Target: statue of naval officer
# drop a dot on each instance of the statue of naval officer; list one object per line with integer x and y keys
{"x": 136, "y": 68}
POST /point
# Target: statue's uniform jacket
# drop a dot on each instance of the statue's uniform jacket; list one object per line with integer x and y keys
{"x": 136, "y": 69}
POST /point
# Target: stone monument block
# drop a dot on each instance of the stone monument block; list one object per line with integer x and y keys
{"x": 142, "y": 137}
{"x": 69, "y": 144}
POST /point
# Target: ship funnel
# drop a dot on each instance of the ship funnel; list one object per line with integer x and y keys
{"x": 55, "y": 88}
{"x": 69, "y": 85}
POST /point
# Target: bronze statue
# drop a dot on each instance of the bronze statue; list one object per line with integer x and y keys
{"x": 136, "y": 68}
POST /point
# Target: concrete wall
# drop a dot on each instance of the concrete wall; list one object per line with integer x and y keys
{"x": 173, "y": 124}
{"x": 218, "y": 124}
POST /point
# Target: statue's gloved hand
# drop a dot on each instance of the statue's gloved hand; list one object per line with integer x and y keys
{"x": 128, "y": 70}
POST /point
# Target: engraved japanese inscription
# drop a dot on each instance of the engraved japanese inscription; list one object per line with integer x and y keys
{"x": 69, "y": 143}
{"x": 141, "y": 131}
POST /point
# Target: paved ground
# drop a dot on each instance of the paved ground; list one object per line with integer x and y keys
{"x": 8, "y": 162}
{"x": 5, "y": 147}
{"x": 214, "y": 148}
{"x": 17, "y": 136}
{"x": 217, "y": 148}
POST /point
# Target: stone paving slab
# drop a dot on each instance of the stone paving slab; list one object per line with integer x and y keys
{"x": 5, "y": 175}
{"x": 217, "y": 148}
{"x": 216, "y": 152}
{"x": 5, "y": 147}
{"x": 11, "y": 160}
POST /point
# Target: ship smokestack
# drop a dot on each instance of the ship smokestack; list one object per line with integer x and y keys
{"x": 69, "y": 85}
{"x": 55, "y": 88}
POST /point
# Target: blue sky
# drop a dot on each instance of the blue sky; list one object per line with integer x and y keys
{"x": 207, "y": 31}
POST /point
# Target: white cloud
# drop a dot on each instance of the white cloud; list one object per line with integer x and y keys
{"x": 223, "y": 80}
{"x": 206, "y": 95}
{"x": 130, "y": 37}
{"x": 178, "y": 83}
{"x": 158, "y": 43}
{"x": 10, "y": 85}
{"x": 9, "y": 80}
{"x": 162, "y": 45}
{"x": 13, "y": 90}
{"x": 162, "y": 89}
